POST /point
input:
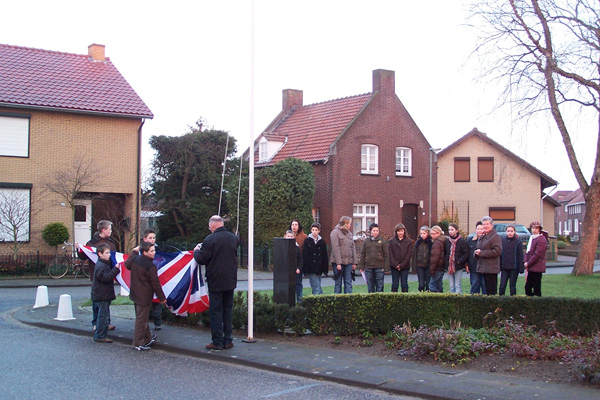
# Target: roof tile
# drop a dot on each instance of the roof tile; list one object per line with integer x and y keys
{"x": 49, "y": 79}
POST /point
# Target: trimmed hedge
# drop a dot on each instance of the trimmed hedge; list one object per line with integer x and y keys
{"x": 380, "y": 312}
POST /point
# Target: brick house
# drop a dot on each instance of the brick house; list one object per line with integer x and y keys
{"x": 477, "y": 177}
{"x": 569, "y": 215}
{"x": 371, "y": 161}
{"x": 58, "y": 110}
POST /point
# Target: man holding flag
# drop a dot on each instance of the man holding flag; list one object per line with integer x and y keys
{"x": 219, "y": 253}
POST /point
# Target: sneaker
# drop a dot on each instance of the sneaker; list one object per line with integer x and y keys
{"x": 142, "y": 348}
{"x": 212, "y": 346}
{"x": 151, "y": 342}
{"x": 104, "y": 340}
{"x": 111, "y": 327}
{"x": 94, "y": 328}
{"x": 157, "y": 327}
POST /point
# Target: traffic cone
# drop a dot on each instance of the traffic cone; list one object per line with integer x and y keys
{"x": 41, "y": 297}
{"x": 65, "y": 309}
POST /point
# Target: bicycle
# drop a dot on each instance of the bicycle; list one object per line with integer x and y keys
{"x": 60, "y": 265}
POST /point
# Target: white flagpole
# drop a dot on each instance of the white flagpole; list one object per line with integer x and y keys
{"x": 251, "y": 188}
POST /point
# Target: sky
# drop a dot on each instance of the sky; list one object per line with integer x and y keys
{"x": 192, "y": 59}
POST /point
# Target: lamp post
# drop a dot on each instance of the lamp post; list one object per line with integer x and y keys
{"x": 432, "y": 151}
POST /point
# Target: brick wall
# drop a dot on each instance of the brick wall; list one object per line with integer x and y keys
{"x": 56, "y": 140}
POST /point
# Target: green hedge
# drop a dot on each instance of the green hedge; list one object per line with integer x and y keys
{"x": 380, "y": 312}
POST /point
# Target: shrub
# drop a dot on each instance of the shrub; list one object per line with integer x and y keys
{"x": 560, "y": 244}
{"x": 55, "y": 234}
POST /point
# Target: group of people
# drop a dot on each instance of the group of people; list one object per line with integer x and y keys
{"x": 483, "y": 255}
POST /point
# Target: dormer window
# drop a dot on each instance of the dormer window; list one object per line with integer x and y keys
{"x": 263, "y": 153}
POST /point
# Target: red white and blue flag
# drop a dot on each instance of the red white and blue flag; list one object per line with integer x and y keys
{"x": 178, "y": 273}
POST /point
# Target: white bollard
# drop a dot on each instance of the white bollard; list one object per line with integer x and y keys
{"x": 65, "y": 309}
{"x": 41, "y": 297}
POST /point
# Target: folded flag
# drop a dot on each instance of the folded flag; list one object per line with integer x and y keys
{"x": 178, "y": 273}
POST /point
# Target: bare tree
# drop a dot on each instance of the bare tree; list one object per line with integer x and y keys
{"x": 15, "y": 217}
{"x": 70, "y": 181}
{"x": 547, "y": 55}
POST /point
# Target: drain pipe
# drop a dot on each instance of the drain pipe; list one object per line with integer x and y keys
{"x": 139, "y": 183}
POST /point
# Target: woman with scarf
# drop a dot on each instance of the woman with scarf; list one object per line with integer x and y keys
{"x": 535, "y": 260}
{"x": 456, "y": 258}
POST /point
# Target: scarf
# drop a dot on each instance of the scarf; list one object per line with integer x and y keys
{"x": 452, "y": 261}
{"x": 530, "y": 242}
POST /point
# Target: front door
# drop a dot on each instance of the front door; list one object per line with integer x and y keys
{"x": 409, "y": 219}
{"x": 83, "y": 221}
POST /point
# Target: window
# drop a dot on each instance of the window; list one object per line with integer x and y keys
{"x": 560, "y": 231}
{"x": 14, "y": 136}
{"x": 485, "y": 169}
{"x": 403, "y": 161}
{"x": 14, "y": 213}
{"x": 368, "y": 159}
{"x": 316, "y": 214}
{"x": 575, "y": 225}
{"x": 263, "y": 154}
{"x": 462, "y": 170}
{"x": 363, "y": 216}
{"x": 503, "y": 213}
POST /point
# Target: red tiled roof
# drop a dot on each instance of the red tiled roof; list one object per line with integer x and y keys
{"x": 36, "y": 78}
{"x": 311, "y": 129}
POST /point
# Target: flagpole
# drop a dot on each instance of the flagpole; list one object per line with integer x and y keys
{"x": 251, "y": 189}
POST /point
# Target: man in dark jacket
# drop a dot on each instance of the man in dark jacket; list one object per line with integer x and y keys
{"x": 489, "y": 250}
{"x": 144, "y": 284}
{"x": 218, "y": 253}
{"x": 103, "y": 291}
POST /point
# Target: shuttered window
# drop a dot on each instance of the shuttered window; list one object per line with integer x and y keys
{"x": 485, "y": 169}
{"x": 462, "y": 169}
{"x": 14, "y": 136}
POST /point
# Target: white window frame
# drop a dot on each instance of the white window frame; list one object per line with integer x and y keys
{"x": 363, "y": 215}
{"x": 403, "y": 161}
{"x": 576, "y": 225}
{"x": 263, "y": 150}
{"x": 369, "y": 159}
{"x": 14, "y": 136}
{"x": 22, "y": 199}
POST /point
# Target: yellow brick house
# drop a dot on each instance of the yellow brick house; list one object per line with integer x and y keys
{"x": 59, "y": 112}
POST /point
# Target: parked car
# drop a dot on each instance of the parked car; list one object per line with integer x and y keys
{"x": 522, "y": 232}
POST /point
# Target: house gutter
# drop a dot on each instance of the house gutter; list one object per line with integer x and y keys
{"x": 139, "y": 183}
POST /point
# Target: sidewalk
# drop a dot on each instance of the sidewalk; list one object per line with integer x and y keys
{"x": 389, "y": 374}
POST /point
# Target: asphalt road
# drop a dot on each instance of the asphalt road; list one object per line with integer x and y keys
{"x": 41, "y": 364}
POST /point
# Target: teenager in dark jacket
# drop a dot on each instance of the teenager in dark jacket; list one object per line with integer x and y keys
{"x": 144, "y": 284}
{"x": 511, "y": 261}
{"x": 436, "y": 263}
{"x": 477, "y": 282}
{"x": 314, "y": 258}
{"x": 535, "y": 260}
{"x": 421, "y": 258}
{"x": 374, "y": 258}
{"x": 103, "y": 291}
{"x": 456, "y": 256}
{"x": 401, "y": 249}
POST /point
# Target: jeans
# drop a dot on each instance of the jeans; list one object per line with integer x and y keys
{"x": 299, "y": 287}
{"x": 344, "y": 275}
{"x": 491, "y": 284}
{"x": 435, "y": 284}
{"x": 400, "y": 278}
{"x": 507, "y": 274}
{"x": 315, "y": 283}
{"x": 477, "y": 283}
{"x": 374, "y": 279}
{"x": 424, "y": 278}
{"x": 156, "y": 313}
{"x": 533, "y": 284}
{"x": 221, "y": 316}
{"x": 102, "y": 308}
{"x": 95, "y": 314}
{"x": 455, "y": 280}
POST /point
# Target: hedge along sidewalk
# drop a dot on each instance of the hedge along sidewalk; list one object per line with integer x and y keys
{"x": 380, "y": 312}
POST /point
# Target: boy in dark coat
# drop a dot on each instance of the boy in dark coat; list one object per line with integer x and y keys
{"x": 144, "y": 284}
{"x": 103, "y": 291}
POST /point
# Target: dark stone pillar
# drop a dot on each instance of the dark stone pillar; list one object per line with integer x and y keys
{"x": 284, "y": 271}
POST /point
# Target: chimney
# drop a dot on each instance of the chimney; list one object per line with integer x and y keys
{"x": 384, "y": 81}
{"x": 96, "y": 52}
{"x": 291, "y": 98}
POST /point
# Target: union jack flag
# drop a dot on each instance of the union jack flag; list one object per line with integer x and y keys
{"x": 179, "y": 275}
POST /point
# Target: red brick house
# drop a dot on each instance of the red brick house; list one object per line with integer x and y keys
{"x": 371, "y": 161}
{"x": 56, "y": 108}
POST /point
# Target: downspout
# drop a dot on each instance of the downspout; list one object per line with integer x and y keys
{"x": 139, "y": 183}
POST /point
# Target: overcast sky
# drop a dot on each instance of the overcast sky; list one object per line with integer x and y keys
{"x": 188, "y": 59}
